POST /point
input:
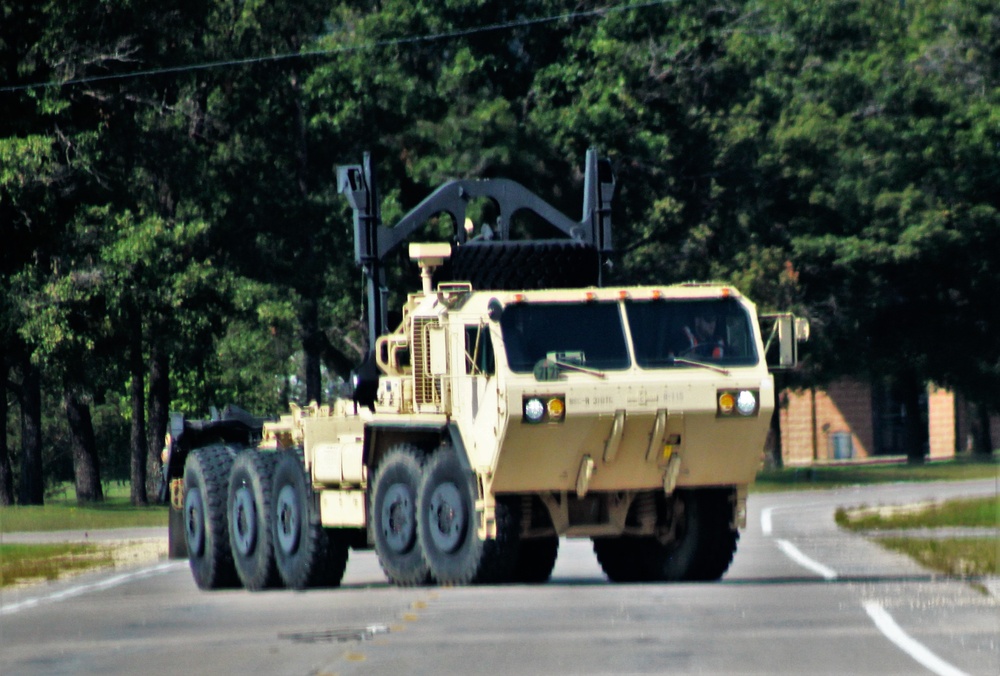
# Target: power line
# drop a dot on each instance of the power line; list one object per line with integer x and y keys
{"x": 375, "y": 44}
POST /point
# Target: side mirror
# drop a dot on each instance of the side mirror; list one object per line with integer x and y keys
{"x": 789, "y": 331}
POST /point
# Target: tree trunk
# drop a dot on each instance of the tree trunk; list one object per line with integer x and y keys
{"x": 982, "y": 441}
{"x": 312, "y": 345}
{"x": 911, "y": 390}
{"x": 159, "y": 419}
{"x": 32, "y": 485}
{"x": 137, "y": 440}
{"x": 86, "y": 466}
{"x": 6, "y": 473}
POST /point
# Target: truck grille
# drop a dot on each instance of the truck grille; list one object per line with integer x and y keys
{"x": 426, "y": 387}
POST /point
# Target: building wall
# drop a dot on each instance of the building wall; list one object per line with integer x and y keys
{"x": 815, "y": 424}
{"x": 941, "y": 422}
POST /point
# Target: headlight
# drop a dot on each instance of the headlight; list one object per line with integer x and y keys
{"x": 732, "y": 403}
{"x": 546, "y": 408}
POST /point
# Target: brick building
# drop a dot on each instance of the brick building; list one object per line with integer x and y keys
{"x": 855, "y": 420}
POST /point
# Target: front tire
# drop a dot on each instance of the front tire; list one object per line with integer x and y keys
{"x": 393, "y": 511}
{"x": 248, "y": 508}
{"x": 305, "y": 553}
{"x": 206, "y": 528}
{"x": 703, "y": 543}
{"x": 447, "y": 521}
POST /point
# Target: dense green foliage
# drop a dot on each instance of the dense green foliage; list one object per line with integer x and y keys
{"x": 171, "y": 232}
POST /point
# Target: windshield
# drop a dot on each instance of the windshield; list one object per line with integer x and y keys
{"x": 593, "y": 331}
{"x": 671, "y": 333}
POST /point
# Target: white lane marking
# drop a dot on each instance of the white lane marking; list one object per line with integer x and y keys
{"x": 765, "y": 520}
{"x": 906, "y": 643}
{"x": 792, "y": 552}
{"x": 100, "y": 585}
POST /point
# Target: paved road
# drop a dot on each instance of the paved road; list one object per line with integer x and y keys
{"x": 801, "y": 598}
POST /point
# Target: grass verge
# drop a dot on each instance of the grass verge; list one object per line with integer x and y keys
{"x": 26, "y": 563}
{"x": 798, "y": 478}
{"x": 62, "y": 512}
{"x": 965, "y": 557}
{"x": 964, "y": 513}
{"x": 70, "y": 516}
{"x": 961, "y": 557}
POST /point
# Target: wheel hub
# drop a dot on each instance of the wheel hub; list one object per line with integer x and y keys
{"x": 243, "y": 520}
{"x": 397, "y": 519}
{"x": 288, "y": 520}
{"x": 194, "y": 523}
{"x": 448, "y": 517}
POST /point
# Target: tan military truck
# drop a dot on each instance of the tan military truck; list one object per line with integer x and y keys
{"x": 493, "y": 422}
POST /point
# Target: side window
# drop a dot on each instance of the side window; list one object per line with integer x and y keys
{"x": 479, "y": 358}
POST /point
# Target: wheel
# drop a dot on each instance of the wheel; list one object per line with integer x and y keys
{"x": 205, "y": 527}
{"x": 248, "y": 506}
{"x": 523, "y": 264}
{"x": 498, "y": 563}
{"x": 701, "y": 543}
{"x": 623, "y": 558}
{"x": 447, "y": 524}
{"x": 306, "y": 554}
{"x": 393, "y": 516}
{"x": 535, "y": 559}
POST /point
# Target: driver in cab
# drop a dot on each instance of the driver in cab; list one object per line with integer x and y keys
{"x": 699, "y": 340}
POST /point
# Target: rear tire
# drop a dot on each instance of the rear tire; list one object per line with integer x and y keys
{"x": 498, "y": 564}
{"x": 447, "y": 521}
{"x": 248, "y": 509}
{"x": 623, "y": 558}
{"x": 393, "y": 516}
{"x": 305, "y": 553}
{"x": 206, "y": 528}
{"x": 535, "y": 560}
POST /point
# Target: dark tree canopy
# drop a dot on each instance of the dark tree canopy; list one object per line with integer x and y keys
{"x": 167, "y": 181}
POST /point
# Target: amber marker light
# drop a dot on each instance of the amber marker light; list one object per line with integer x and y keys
{"x": 556, "y": 408}
{"x": 544, "y": 409}
{"x": 737, "y": 403}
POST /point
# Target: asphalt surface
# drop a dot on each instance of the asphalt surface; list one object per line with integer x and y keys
{"x": 802, "y": 597}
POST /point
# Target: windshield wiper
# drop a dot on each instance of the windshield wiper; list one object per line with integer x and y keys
{"x": 577, "y": 367}
{"x": 692, "y": 362}
{"x": 550, "y": 367}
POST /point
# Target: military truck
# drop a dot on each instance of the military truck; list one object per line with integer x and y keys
{"x": 503, "y": 412}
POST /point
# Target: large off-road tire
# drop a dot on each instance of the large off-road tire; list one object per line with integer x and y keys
{"x": 703, "y": 544}
{"x": 623, "y": 558}
{"x": 206, "y": 473}
{"x": 535, "y": 559}
{"x": 447, "y": 524}
{"x": 305, "y": 553}
{"x": 393, "y": 519}
{"x": 248, "y": 508}
{"x": 498, "y": 563}
{"x": 393, "y": 516}
{"x": 523, "y": 264}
